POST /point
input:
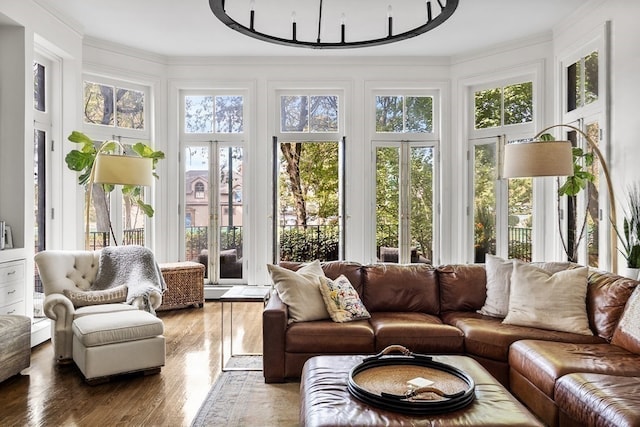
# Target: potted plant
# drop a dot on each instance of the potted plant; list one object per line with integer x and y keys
{"x": 82, "y": 160}
{"x": 630, "y": 234}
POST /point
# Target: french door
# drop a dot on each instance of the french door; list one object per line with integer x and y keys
{"x": 214, "y": 212}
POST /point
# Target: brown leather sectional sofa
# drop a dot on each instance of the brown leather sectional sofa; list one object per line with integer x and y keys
{"x": 563, "y": 378}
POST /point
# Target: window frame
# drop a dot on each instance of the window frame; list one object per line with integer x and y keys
{"x": 503, "y": 134}
{"x": 105, "y": 132}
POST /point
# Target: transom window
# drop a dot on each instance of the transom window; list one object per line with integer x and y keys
{"x": 404, "y": 114}
{"x": 213, "y": 114}
{"x": 308, "y": 113}
{"x": 114, "y": 106}
{"x": 505, "y": 105}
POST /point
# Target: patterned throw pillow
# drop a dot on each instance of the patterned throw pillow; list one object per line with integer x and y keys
{"x": 107, "y": 296}
{"x": 342, "y": 301}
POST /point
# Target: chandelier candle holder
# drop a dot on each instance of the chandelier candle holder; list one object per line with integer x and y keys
{"x": 234, "y": 13}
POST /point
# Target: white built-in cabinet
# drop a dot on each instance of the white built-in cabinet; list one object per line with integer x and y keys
{"x": 12, "y": 284}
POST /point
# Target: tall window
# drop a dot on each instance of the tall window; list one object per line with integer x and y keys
{"x": 308, "y": 181}
{"x": 115, "y": 110}
{"x": 586, "y": 236}
{"x": 213, "y": 128}
{"x": 43, "y": 82}
{"x": 405, "y": 161}
{"x": 502, "y": 210}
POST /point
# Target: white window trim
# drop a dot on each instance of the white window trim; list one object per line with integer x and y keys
{"x": 440, "y": 92}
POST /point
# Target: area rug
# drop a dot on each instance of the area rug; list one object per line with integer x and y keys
{"x": 241, "y": 398}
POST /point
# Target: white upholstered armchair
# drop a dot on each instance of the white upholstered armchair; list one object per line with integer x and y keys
{"x": 66, "y": 275}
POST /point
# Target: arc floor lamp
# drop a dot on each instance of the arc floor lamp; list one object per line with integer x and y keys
{"x": 117, "y": 169}
{"x": 555, "y": 158}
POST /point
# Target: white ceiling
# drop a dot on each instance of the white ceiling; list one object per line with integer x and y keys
{"x": 189, "y": 28}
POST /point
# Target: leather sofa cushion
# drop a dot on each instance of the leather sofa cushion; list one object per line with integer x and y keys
{"x": 607, "y": 295}
{"x": 401, "y": 288}
{"x": 489, "y": 338}
{"x": 326, "y": 336}
{"x": 419, "y": 332}
{"x": 599, "y": 400}
{"x": 543, "y": 362}
{"x": 462, "y": 287}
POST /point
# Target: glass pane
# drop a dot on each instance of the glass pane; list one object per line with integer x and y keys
{"x": 487, "y": 108}
{"x": 39, "y": 176}
{"x": 229, "y": 114}
{"x": 308, "y": 194}
{"x": 294, "y": 114}
{"x": 230, "y": 179}
{"x": 38, "y": 87}
{"x": 98, "y": 104}
{"x": 520, "y": 218}
{"x": 387, "y": 203}
{"x": 574, "y": 74}
{"x": 518, "y": 103}
{"x": 39, "y": 182}
{"x": 389, "y": 113}
{"x": 421, "y": 204}
{"x": 129, "y": 109}
{"x": 484, "y": 219}
{"x": 591, "y": 78}
{"x": 419, "y": 111}
{"x": 593, "y": 202}
{"x": 196, "y": 208}
{"x": 324, "y": 114}
{"x": 198, "y": 114}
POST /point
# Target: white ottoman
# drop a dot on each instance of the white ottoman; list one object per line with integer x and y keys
{"x": 116, "y": 343}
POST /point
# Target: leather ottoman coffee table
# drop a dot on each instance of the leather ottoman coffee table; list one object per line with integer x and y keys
{"x": 326, "y": 401}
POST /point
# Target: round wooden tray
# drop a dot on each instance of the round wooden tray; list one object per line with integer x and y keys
{"x": 385, "y": 381}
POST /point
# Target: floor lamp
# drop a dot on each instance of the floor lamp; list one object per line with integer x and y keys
{"x": 116, "y": 169}
{"x": 555, "y": 158}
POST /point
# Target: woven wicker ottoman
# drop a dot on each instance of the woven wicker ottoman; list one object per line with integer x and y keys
{"x": 15, "y": 345}
{"x": 326, "y": 401}
{"x": 185, "y": 285}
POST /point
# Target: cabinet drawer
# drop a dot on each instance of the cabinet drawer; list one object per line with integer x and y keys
{"x": 17, "y": 308}
{"x": 11, "y": 271}
{"x": 11, "y": 293}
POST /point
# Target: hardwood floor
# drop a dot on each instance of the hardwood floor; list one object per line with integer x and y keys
{"x": 47, "y": 394}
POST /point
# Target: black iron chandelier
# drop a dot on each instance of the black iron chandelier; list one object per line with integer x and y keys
{"x": 247, "y": 21}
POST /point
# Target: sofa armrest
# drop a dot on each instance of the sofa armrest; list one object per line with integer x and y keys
{"x": 275, "y": 319}
{"x": 59, "y": 308}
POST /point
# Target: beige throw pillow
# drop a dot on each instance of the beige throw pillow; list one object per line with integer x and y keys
{"x": 544, "y": 300}
{"x": 499, "y": 283}
{"x": 107, "y": 296}
{"x": 300, "y": 291}
{"x": 342, "y": 300}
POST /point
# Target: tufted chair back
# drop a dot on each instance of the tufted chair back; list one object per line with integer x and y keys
{"x": 72, "y": 270}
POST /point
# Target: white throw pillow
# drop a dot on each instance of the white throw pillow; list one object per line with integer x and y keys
{"x": 499, "y": 283}
{"x": 540, "y": 299}
{"x": 300, "y": 290}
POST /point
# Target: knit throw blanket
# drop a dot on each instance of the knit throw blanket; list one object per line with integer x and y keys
{"x": 131, "y": 265}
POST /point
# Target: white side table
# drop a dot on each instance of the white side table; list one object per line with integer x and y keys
{"x": 244, "y": 294}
